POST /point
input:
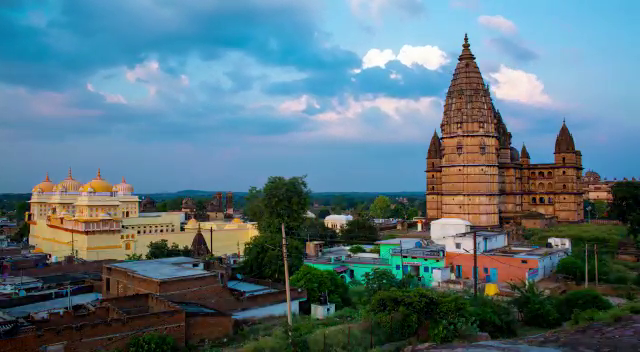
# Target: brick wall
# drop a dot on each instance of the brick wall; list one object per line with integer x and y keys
{"x": 65, "y": 268}
{"x": 200, "y": 328}
{"x": 509, "y": 269}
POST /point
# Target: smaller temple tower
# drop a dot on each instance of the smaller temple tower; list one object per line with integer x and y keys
{"x": 434, "y": 178}
{"x": 229, "y": 204}
{"x": 188, "y": 208}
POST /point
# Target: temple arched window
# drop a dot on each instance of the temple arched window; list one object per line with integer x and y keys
{"x": 533, "y": 187}
{"x": 533, "y": 200}
{"x": 549, "y": 174}
{"x": 564, "y": 186}
{"x": 481, "y": 125}
{"x": 433, "y": 164}
{"x": 483, "y": 147}
{"x": 564, "y": 172}
{"x": 459, "y": 148}
{"x": 459, "y": 125}
{"x": 540, "y": 186}
{"x": 564, "y": 160}
{"x": 549, "y": 186}
{"x": 433, "y": 188}
{"x": 533, "y": 175}
{"x": 541, "y": 174}
{"x": 541, "y": 200}
{"x": 550, "y": 200}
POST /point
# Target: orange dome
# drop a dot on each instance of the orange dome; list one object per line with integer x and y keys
{"x": 69, "y": 184}
{"x": 123, "y": 187}
{"x": 44, "y": 186}
{"x": 97, "y": 185}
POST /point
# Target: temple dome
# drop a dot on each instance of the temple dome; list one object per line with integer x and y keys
{"x": 44, "y": 186}
{"x": 69, "y": 184}
{"x": 564, "y": 141}
{"x": 515, "y": 156}
{"x": 192, "y": 224}
{"x": 97, "y": 185}
{"x": 123, "y": 187}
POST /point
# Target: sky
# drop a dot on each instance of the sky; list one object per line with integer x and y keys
{"x": 219, "y": 95}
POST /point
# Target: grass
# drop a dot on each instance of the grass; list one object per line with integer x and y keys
{"x": 610, "y": 316}
{"x": 606, "y": 235}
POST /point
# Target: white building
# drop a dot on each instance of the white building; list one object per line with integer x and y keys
{"x": 337, "y": 222}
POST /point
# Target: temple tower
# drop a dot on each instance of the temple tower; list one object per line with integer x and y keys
{"x": 568, "y": 160}
{"x": 471, "y": 147}
{"x": 434, "y": 178}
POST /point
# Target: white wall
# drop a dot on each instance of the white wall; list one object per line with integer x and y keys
{"x": 466, "y": 243}
{"x": 279, "y": 309}
{"x": 560, "y": 243}
{"x": 443, "y": 228}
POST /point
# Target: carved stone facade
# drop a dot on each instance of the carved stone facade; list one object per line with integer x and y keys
{"x": 475, "y": 174}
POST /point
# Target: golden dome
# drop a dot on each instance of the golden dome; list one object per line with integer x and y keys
{"x": 123, "y": 187}
{"x": 44, "y": 186}
{"x": 237, "y": 221}
{"x": 97, "y": 185}
{"x": 69, "y": 184}
{"x": 192, "y": 224}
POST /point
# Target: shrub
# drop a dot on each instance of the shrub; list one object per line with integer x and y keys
{"x": 451, "y": 319}
{"x": 338, "y": 339}
{"x": 581, "y": 300}
{"x": 357, "y": 249}
{"x": 317, "y": 281}
{"x": 571, "y": 267}
{"x": 493, "y": 317}
{"x": 275, "y": 342}
{"x": 536, "y": 309}
{"x": 152, "y": 343}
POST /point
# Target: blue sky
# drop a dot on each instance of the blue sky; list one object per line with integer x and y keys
{"x": 219, "y": 95}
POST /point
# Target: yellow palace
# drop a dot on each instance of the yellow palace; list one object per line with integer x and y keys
{"x": 98, "y": 220}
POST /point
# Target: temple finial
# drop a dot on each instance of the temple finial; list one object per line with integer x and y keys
{"x": 466, "y": 42}
{"x": 123, "y": 180}
{"x": 99, "y": 177}
{"x": 46, "y": 178}
{"x": 69, "y": 176}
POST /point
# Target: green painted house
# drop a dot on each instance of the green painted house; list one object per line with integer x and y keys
{"x": 409, "y": 255}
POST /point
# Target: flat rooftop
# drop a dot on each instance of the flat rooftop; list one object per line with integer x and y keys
{"x": 164, "y": 269}
{"x": 524, "y": 251}
{"x": 59, "y": 303}
{"x": 248, "y": 288}
{"x": 480, "y": 234}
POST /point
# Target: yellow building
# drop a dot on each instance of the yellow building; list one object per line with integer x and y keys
{"x": 98, "y": 220}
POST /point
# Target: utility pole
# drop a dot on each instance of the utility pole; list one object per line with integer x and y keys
{"x": 286, "y": 278}
{"x": 475, "y": 266}
{"x": 211, "y": 239}
{"x": 72, "y": 245}
{"x": 401, "y": 261}
{"x": 586, "y": 265}
{"x": 69, "y": 294}
{"x": 595, "y": 251}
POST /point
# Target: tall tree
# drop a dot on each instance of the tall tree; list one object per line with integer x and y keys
{"x": 359, "y": 230}
{"x": 315, "y": 230}
{"x": 381, "y": 208}
{"x": 280, "y": 201}
{"x": 626, "y": 200}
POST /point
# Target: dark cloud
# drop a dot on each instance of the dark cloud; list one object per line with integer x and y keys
{"x": 514, "y": 49}
{"x": 412, "y": 82}
{"x": 411, "y": 7}
{"x": 87, "y": 36}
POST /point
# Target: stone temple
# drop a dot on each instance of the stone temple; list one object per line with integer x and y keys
{"x": 474, "y": 173}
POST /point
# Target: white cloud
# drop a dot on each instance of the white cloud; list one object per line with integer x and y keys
{"x": 519, "y": 86}
{"x": 393, "y": 107}
{"x": 374, "y": 8}
{"x": 376, "y": 57}
{"x": 499, "y": 23}
{"x": 428, "y": 56}
{"x": 109, "y": 98}
{"x": 298, "y": 105}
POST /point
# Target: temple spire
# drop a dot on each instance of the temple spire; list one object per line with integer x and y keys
{"x": 466, "y": 54}
{"x": 46, "y": 178}
{"x": 123, "y": 180}
{"x": 99, "y": 177}
{"x": 524, "y": 153}
{"x": 69, "y": 176}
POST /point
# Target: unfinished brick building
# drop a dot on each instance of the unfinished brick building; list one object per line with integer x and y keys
{"x": 474, "y": 173}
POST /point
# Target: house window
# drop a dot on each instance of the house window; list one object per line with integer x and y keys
{"x": 397, "y": 267}
{"x": 426, "y": 269}
{"x": 524, "y": 261}
{"x": 458, "y": 245}
{"x": 433, "y": 164}
{"x": 127, "y": 246}
{"x": 533, "y": 200}
{"x": 485, "y": 270}
{"x": 108, "y": 285}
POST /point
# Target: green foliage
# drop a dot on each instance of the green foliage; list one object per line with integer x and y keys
{"x": 605, "y": 236}
{"x": 581, "y": 300}
{"x": 359, "y": 230}
{"x": 535, "y": 308}
{"x": 274, "y": 342}
{"x": 571, "y": 267}
{"x": 152, "y": 343}
{"x": 381, "y": 208}
{"x": 601, "y": 209}
{"x": 355, "y": 249}
{"x": 323, "y": 213}
{"x": 451, "y": 318}
{"x": 316, "y": 230}
{"x": 626, "y": 200}
{"x": 337, "y": 339}
{"x": 263, "y": 257}
{"x": 493, "y": 317}
{"x": 133, "y": 256}
{"x": 375, "y": 249}
{"x": 161, "y": 249}
{"x": 378, "y": 280}
{"x": 21, "y": 209}
{"x": 280, "y": 201}
{"x": 162, "y": 207}
{"x": 609, "y": 316}
{"x": 317, "y": 281}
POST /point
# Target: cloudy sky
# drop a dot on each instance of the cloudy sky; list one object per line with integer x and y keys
{"x": 219, "y": 94}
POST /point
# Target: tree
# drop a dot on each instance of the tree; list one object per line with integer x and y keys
{"x": 381, "y": 208}
{"x": 379, "y": 280}
{"x": 600, "y": 208}
{"x": 21, "y": 208}
{"x": 323, "y": 213}
{"x": 162, "y": 207}
{"x": 21, "y": 234}
{"x": 317, "y": 281}
{"x": 161, "y": 249}
{"x": 357, "y": 249}
{"x": 133, "y": 256}
{"x": 152, "y": 342}
{"x": 536, "y": 308}
{"x": 201, "y": 209}
{"x": 571, "y": 267}
{"x": 315, "y": 230}
{"x": 280, "y": 201}
{"x": 626, "y": 200}
{"x": 359, "y": 230}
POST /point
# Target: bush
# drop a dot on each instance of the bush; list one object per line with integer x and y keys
{"x": 493, "y": 317}
{"x": 275, "y": 342}
{"x": 535, "y": 308}
{"x": 317, "y": 281}
{"x": 581, "y": 300}
{"x": 451, "y": 319}
{"x": 571, "y": 267}
{"x": 338, "y": 339}
{"x": 357, "y": 249}
{"x": 152, "y": 343}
